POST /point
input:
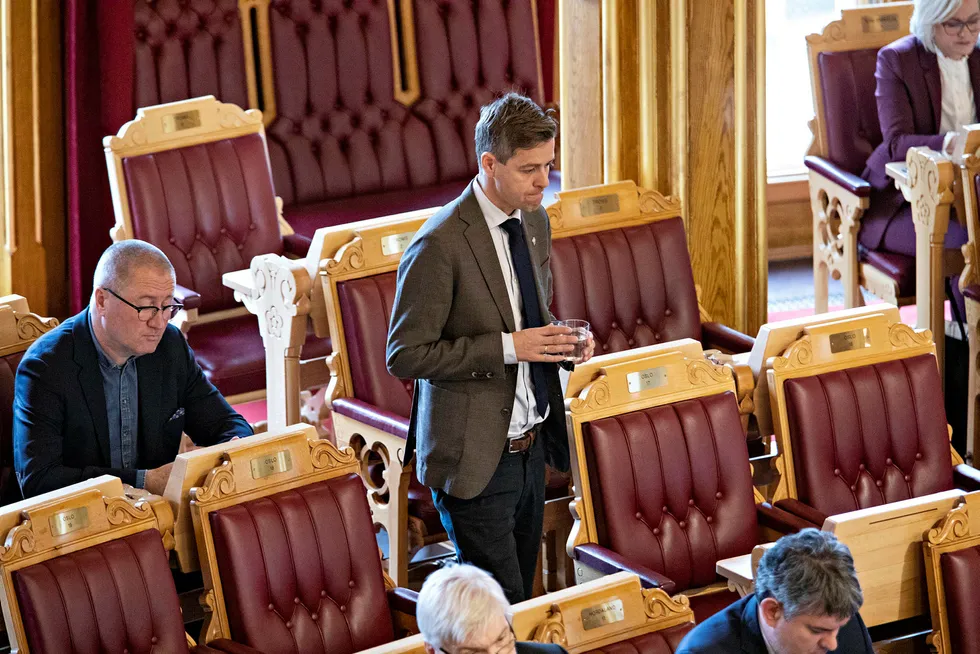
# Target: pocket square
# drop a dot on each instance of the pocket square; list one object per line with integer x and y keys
{"x": 179, "y": 413}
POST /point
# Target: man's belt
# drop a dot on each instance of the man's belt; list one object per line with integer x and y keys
{"x": 523, "y": 442}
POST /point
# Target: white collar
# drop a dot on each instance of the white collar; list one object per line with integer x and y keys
{"x": 494, "y": 215}
{"x": 948, "y": 62}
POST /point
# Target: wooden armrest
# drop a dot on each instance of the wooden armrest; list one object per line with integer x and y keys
{"x": 239, "y": 281}
{"x": 608, "y": 562}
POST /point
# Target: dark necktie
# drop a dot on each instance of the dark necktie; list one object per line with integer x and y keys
{"x": 530, "y": 306}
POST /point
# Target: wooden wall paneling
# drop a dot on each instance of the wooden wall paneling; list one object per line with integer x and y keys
{"x": 580, "y": 44}
{"x": 34, "y": 262}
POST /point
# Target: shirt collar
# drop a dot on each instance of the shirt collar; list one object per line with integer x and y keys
{"x": 947, "y": 62}
{"x": 104, "y": 360}
{"x": 493, "y": 214}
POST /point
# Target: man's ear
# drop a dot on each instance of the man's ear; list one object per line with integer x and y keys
{"x": 772, "y": 611}
{"x": 488, "y": 164}
{"x": 99, "y": 298}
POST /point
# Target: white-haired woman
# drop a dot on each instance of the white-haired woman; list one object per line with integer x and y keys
{"x": 462, "y": 610}
{"x": 928, "y": 87}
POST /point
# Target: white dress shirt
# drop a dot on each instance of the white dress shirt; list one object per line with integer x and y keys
{"x": 958, "y": 106}
{"x": 525, "y": 414}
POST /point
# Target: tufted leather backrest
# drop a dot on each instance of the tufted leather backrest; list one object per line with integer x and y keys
{"x": 365, "y": 308}
{"x": 300, "y": 570}
{"x": 209, "y": 207}
{"x": 9, "y": 488}
{"x": 961, "y": 578}
{"x": 672, "y": 486}
{"x": 847, "y": 79}
{"x": 869, "y": 435}
{"x": 114, "y": 597}
{"x": 339, "y": 131}
{"x": 634, "y": 285}
{"x": 665, "y": 641}
{"x": 186, "y": 49}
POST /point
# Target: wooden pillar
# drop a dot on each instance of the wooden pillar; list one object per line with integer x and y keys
{"x": 32, "y": 201}
{"x": 670, "y": 93}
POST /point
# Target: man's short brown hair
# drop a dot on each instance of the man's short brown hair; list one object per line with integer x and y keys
{"x": 511, "y": 123}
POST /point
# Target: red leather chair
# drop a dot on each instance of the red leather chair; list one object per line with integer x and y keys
{"x": 858, "y": 411}
{"x": 354, "y": 136}
{"x": 289, "y": 555}
{"x": 193, "y": 178}
{"x": 90, "y": 573}
{"x": 663, "y": 485}
{"x": 18, "y": 329}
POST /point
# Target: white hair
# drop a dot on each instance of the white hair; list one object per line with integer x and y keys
{"x": 456, "y": 603}
{"x": 929, "y": 13}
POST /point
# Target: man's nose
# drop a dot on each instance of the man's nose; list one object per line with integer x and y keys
{"x": 829, "y": 642}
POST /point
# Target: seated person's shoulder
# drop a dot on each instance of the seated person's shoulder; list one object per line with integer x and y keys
{"x": 52, "y": 349}
{"x": 539, "y": 648}
{"x": 718, "y": 634}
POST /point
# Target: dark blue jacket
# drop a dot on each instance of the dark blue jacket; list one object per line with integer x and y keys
{"x": 61, "y": 433}
{"x": 736, "y": 630}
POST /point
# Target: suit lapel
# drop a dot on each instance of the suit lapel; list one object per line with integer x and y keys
{"x": 481, "y": 243}
{"x": 934, "y": 84}
{"x": 532, "y": 232}
{"x": 90, "y": 379}
{"x": 148, "y": 370}
{"x": 974, "y": 63}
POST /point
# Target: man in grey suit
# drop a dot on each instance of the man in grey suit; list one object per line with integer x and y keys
{"x": 471, "y": 324}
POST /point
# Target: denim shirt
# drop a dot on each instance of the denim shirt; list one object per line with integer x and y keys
{"x": 121, "y": 387}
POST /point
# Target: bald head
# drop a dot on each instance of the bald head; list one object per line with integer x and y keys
{"x": 121, "y": 260}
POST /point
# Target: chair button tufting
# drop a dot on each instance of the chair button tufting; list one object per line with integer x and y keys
{"x": 878, "y": 483}
{"x": 853, "y": 488}
{"x": 240, "y": 246}
{"x": 837, "y": 471}
{"x": 313, "y": 617}
{"x": 323, "y": 593}
{"x": 861, "y": 466}
{"x": 295, "y": 600}
{"x": 656, "y": 336}
{"x": 656, "y": 532}
{"x": 664, "y": 510}
{"x": 682, "y": 524}
{"x": 639, "y": 321}
{"x": 718, "y": 495}
{"x": 350, "y": 584}
{"x": 272, "y": 608}
{"x": 614, "y": 325}
{"x": 888, "y": 461}
{"x": 631, "y": 342}
{"x": 639, "y": 516}
{"x": 343, "y": 608}
{"x": 709, "y": 519}
{"x": 154, "y": 640}
{"x": 289, "y": 624}
{"x": 605, "y": 347}
{"x": 690, "y": 502}
{"x": 172, "y": 240}
{"x": 918, "y": 456}
{"x": 668, "y": 312}
{"x": 908, "y": 477}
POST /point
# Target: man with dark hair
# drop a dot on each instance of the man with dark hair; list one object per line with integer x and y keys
{"x": 112, "y": 389}
{"x": 471, "y": 324}
{"x": 806, "y": 601}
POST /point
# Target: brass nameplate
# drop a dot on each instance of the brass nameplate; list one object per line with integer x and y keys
{"x": 644, "y": 380}
{"x": 65, "y": 522}
{"x": 878, "y": 24}
{"x": 181, "y": 121}
{"x": 599, "y": 205}
{"x": 603, "y": 614}
{"x": 271, "y": 464}
{"x": 396, "y": 243}
{"x": 854, "y": 339}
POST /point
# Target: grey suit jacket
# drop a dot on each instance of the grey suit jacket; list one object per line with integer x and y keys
{"x": 450, "y": 309}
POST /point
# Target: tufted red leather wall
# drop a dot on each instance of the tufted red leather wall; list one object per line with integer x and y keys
{"x": 9, "y": 488}
{"x": 634, "y": 286}
{"x": 961, "y": 578}
{"x": 657, "y": 642}
{"x": 115, "y": 597}
{"x": 298, "y": 572}
{"x": 667, "y": 487}
{"x": 870, "y": 435}
{"x": 851, "y": 120}
{"x": 186, "y": 49}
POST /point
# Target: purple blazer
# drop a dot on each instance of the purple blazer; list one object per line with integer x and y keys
{"x": 909, "y": 96}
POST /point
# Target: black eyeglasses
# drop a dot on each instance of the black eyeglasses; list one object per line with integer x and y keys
{"x": 956, "y": 27}
{"x": 148, "y": 313}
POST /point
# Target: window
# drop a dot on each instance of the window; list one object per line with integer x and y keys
{"x": 789, "y": 102}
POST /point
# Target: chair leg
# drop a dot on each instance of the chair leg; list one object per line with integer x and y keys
{"x": 821, "y": 289}
{"x": 972, "y": 422}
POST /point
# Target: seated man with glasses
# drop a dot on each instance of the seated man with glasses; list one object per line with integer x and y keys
{"x": 462, "y": 610}
{"x": 112, "y": 389}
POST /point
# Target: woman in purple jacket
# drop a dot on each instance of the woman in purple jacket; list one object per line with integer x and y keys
{"x": 928, "y": 87}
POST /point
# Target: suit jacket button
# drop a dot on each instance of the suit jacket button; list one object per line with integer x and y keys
{"x": 475, "y": 375}
{"x": 505, "y": 412}
{"x": 489, "y": 375}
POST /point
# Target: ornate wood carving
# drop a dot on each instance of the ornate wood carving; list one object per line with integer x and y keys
{"x": 20, "y": 542}
{"x": 954, "y": 526}
{"x": 798, "y": 355}
{"x": 220, "y": 482}
{"x": 836, "y": 221}
{"x": 326, "y": 456}
{"x": 123, "y": 510}
{"x": 703, "y": 372}
{"x": 901, "y": 335}
{"x": 350, "y": 257}
{"x": 552, "y": 629}
{"x": 659, "y": 605}
{"x": 596, "y": 396}
{"x": 18, "y": 326}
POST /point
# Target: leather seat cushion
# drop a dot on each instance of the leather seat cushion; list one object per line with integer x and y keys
{"x": 112, "y": 597}
{"x": 961, "y": 578}
{"x": 301, "y": 572}
{"x": 307, "y": 217}
{"x": 665, "y": 641}
{"x": 869, "y": 435}
{"x": 896, "y": 266}
{"x": 232, "y": 355}
{"x": 634, "y": 285}
{"x": 9, "y": 488}
{"x": 705, "y": 606}
{"x": 669, "y": 489}
{"x": 853, "y": 129}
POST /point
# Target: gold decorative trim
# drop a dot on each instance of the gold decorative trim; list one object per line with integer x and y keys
{"x": 935, "y": 640}
{"x": 798, "y": 355}
{"x": 955, "y": 526}
{"x": 596, "y": 396}
{"x": 211, "y": 629}
{"x": 20, "y": 542}
{"x": 552, "y": 629}
{"x": 652, "y": 201}
{"x": 659, "y": 605}
{"x": 326, "y": 455}
{"x": 123, "y": 510}
{"x": 703, "y": 372}
{"x": 220, "y": 482}
{"x": 901, "y": 335}
{"x": 31, "y": 326}
{"x": 349, "y": 257}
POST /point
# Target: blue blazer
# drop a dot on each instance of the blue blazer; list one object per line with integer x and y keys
{"x": 61, "y": 433}
{"x": 735, "y": 630}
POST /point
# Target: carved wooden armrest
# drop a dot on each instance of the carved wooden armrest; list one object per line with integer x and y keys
{"x": 838, "y": 201}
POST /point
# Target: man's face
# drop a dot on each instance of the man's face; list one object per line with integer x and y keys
{"x": 128, "y": 335}
{"x": 520, "y": 183}
{"x": 497, "y": 638}
{"x": 802, "y": 634}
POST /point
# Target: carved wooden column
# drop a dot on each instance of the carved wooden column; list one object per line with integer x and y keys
{"x": 670, "y": 93}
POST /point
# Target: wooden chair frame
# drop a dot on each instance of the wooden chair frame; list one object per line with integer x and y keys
{"x": 585, "y": 617}
{"x": 969, "y": 170}
{"x": 85, "y": 515}
{"x": 837, "y": 344}
{"x": 837, "y": 211}
{"x": 619, "y": 383}
{"x": 19, "y": 328}
{"x": 951, "y": 534}
{"x": 284, "y": 460}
